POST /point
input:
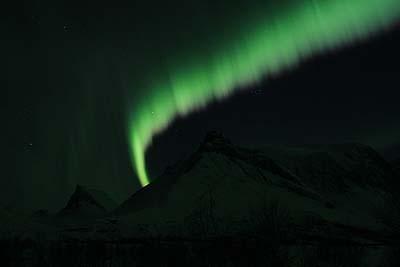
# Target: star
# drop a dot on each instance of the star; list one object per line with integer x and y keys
{"x": 257, "y": 92}
{"x": 29, "y": 147}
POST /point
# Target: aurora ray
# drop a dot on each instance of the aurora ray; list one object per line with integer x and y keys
{"x": 268, "y": 40}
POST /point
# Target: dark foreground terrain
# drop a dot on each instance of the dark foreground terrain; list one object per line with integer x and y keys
{"x": 218, "y": 252}
{"x": 328, "y": 205}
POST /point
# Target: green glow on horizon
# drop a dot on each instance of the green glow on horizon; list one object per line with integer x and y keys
{"x": 265, "y": 45}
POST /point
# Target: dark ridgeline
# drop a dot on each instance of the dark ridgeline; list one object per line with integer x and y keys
{"x": 318, "y": 205}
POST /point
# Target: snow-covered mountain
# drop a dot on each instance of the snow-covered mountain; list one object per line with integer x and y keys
{"x": 287, "y": 203}
{"x": 344, "y": 185}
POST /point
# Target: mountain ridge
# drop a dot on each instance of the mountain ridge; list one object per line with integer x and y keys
{"x": 345, "y": 184}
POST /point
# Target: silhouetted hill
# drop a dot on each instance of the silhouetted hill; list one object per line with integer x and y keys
{"x": 88, "y": 202}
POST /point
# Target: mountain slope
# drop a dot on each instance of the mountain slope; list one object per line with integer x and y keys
{"x": 333, "y": 167}
{"x": 342, "y": 185}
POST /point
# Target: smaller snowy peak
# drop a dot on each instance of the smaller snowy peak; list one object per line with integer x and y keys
{"x": 88, "y": 202}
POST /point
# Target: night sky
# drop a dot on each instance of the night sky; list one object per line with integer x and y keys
{"x": 75, "y": 73}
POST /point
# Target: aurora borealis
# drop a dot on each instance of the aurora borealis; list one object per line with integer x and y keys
{"x": 197, "y": 124}
{"x": 98, "y": 92}
{"x": 263, "y": 40}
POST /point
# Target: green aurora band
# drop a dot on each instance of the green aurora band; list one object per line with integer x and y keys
{"x": 270, "y": 40}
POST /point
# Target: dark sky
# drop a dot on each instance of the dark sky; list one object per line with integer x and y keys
{"x": 63, "y": 113}
{"x": 349, "y": 95}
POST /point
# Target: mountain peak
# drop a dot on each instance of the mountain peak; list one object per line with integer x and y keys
{"x": 86, "y": 201}
{"x": 216, "y": 137}
{"x": 214, "y": 141}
